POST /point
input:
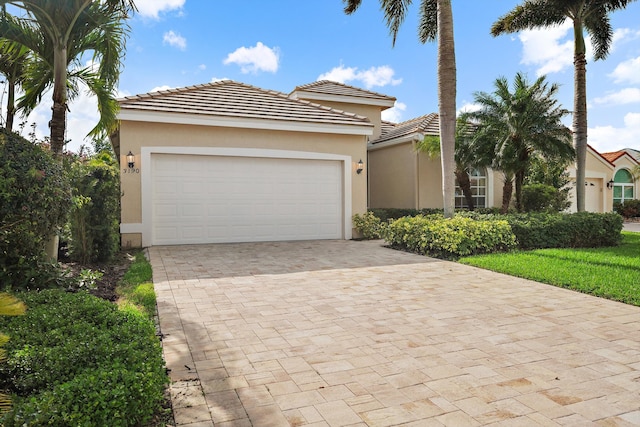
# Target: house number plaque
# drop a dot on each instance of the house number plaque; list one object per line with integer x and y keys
{"x": 131, "y": 170}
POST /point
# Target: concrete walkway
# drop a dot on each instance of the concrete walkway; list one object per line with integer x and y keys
{"x": 345, "y": 333}
{"x": 631, "y": 226}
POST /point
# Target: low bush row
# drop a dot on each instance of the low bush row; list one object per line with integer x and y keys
{"x": 74, "y": 359}
{"x": 471, "y": 233}
{"x": 628, "y": 208}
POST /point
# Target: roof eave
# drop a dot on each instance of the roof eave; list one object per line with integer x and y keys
{"x": 383, "y": 103}
{"x": 356, "y": 128}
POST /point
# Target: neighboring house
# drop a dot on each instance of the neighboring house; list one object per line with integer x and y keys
{"x": 229, "y": 162}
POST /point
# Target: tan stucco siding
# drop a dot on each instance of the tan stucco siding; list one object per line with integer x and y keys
{"x": 371, "y": 112}
{"x": 430, "y": 183}
{"x": 135, "y": 135}
{"x": 392, "y": 172}
{"x": 598, "y": 198}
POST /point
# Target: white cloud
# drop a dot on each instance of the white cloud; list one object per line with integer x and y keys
{"x": 627, "y": 71}
{"x": 218, "y": 79}
{"x": 174, "y": 39}
{"x": 609, "y": 138}
{"x": 254, "y": 59}
{"x": 374, "y": 76}
{"x": 625, "y": 96}
{"x": 550, "y": 49}
{"x": 394, "y": 114}
{"x": 161, "y": 88}
{"x": 202, "y": 67}
{"x": 152, "y": 8}
{"x": 469, "y": 107}
{"x": 623, "y": 35}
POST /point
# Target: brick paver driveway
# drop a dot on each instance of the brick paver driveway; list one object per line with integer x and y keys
{"x": 344, "y": 333}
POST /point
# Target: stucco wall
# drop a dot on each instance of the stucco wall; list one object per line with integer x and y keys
{"x": 392, "y": 172}
{"x": 134, "y": 135}
{"x": 430, "y": 182}
{"x": 598, "y": 198}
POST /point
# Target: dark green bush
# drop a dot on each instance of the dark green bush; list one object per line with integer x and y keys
{"x": 449, "y": 238}
{"x": 369, "y": 225}
{"x": 34, "y": 201}
{"x": 628, "y": 209}
{"x": 95, "y": 215}
{"x": 544, "y": 198}
{"x": 386, "y": 214}
{"x": 577, "y": 230}
{"x": 74, "y": 359}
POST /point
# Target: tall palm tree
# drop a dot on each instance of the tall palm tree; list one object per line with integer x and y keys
{"x": 59, "y": 33}
{"x": 436, "y": 23}
{"x": 513, "y": 126}
{"x": 589, "y": 15}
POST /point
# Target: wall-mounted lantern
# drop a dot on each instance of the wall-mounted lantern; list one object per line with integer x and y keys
{"x": 131, "y": 160}
{"x": 610, "y": 184}
{"x": 359, "y": 167}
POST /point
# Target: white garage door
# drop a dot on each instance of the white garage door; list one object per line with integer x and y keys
{"x": 219, "y": 199}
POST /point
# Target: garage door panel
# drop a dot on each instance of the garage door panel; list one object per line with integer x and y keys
{"x": 213, "y": 199}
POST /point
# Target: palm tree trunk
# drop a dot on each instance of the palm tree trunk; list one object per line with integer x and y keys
{"x": 580, "y": 115}
{"x": 447, "y": 103}
{"x": 11, "y": 103}
{"x": 507, "y": 190}
{"x": 465, "y": 186}
{"x": 59, "y": 115}
{"x": 519, "y": 184}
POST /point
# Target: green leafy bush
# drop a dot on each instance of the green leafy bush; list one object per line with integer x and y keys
{"x": 544, "y": 198}
{"x": 34, "y": 201}
{"x": 369, "y": 225}
{"x": 577, "y": 230}
{"x": 95, "y": 215}
{"x": 387, "y": 214}
{"x": 628, "y": 208}
{"x": 74, "y": 359}
{"x": 450, "y": 238}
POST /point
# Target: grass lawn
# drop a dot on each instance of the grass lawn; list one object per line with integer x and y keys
{"x": 611, "y": 272}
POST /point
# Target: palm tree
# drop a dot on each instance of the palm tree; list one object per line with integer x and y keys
{"x": 13, "y": 61}
{"x": 436, "y": 23}
{"x": 513, "y": 126}
{"x": 465, "y": 158}
{"x": 59, "y": 33}
{"x": 589, "y": 15}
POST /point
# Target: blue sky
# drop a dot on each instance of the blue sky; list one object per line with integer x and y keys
{"x": 283, "y": 43}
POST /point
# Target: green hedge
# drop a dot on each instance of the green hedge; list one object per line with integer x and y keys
{"x": 74, "y": 359}
{"x": 449, "y": 238}
{"x": 577, "y": 230}
{"x": 628, "y": 209}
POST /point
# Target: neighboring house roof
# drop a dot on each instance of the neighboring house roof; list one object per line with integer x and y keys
{"x": 230, "y": 103}
{"x": 411, "y": 129}
{"x": 327, "y": 90}
{"x": 615, "y": 155}
{"x": 601, "y": 156}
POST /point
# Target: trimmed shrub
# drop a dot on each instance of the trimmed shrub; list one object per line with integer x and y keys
{"x": 74, "y": 359}
{"x": 34, "y": 201}
{"x": 387, "y": 214}
{"x": 369, "y": 225}
{"x": 577, "y": 230}
{"x": 544, "y": 198}
{"x": 628, "y": 209}
{"x": 450, "y": 238}
{"x": 95, "y": 215}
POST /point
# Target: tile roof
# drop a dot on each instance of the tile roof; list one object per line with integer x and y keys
{"x": 238, "y": 100}
{"x": 615, "y": 155}
{"x": 328, "y": 87}
{"x": 428, "y": 125}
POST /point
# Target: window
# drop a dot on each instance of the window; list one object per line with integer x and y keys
{"x": 478, "y": 178}
{"x": 622, "y": 186}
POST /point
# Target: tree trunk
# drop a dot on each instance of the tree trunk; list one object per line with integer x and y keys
{"x": 447, "y": 103}
{"x": 11, "y": 103}
{"x": 58, "y": 121}
{"x": 519, "y": 184}
{"x": 580, "y": 114}
{"x": 465, "y": 186}
{"x": 507, "y": 190}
